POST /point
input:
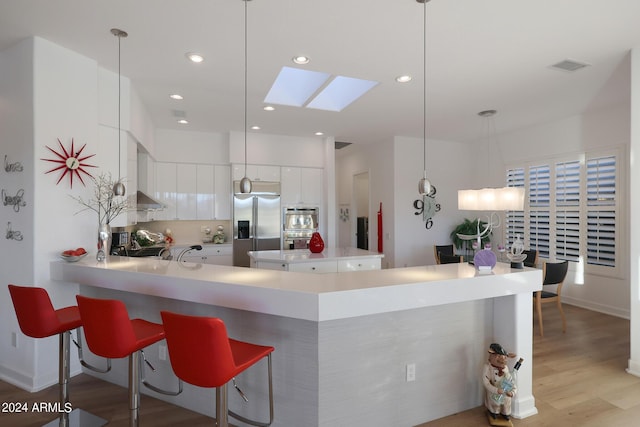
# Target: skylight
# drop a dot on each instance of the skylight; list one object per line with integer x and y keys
{"x": 341, "y": 92}
{"x": 296, "y": 87}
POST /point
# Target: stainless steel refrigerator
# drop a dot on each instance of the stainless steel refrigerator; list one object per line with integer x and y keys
{"x": 257, "y": 220}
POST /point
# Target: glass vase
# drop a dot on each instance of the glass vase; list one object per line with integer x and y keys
{"x": 104, "y": 233}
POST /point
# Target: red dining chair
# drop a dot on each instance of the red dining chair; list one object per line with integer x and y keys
{"x": 202, "y": 354}
{"x": 38, "y": 319}
{"x": 110, "y": 333}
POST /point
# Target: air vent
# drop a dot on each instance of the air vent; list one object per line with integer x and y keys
{"x": 339, "y": 144}
{"x": 569, "y": 65}
{"x": 180, "y": 114}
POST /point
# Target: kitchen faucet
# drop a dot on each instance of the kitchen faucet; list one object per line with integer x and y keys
{"x": 189, "y": 249}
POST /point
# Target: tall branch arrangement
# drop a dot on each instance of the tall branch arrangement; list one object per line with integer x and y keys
{"x": 107, "y": 205}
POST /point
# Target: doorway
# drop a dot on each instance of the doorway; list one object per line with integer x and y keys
{"x": 361, "y": 210}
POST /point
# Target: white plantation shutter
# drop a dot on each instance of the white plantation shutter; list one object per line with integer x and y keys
{"x": 567, "y": 220}
{"x": 515, "y": 219}
{"x": 601, "y": 211}
{"x": 568, "y": 235}
{"x": 539, "y": 232}
{"x": 539, "y": 203}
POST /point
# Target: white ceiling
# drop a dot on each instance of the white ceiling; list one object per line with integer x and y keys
{"x": 491, "y": 54}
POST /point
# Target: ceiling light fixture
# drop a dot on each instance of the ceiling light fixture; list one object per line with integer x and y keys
{"x": 183, "y": 121}
{"x": 118, "y": 187}
{"x": 268, "y": 108}
{"x": 301, "y": 59}
{"x": 319, "y": 133}
{"x": 254, "y": 127}
{"x": 424, "y": 185}
{"x": 176, "y": 96}
{"x": 245, "y": 182}
{"x": 403, "y": 79}
{"x": 195, "y": 57}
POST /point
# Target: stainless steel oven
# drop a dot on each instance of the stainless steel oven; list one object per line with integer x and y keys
{"x": 299, "y": 223}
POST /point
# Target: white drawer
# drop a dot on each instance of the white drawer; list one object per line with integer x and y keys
{"x": 359, "y": 264}
{"x": 215, "y": 250}
{"x": 270, "y": 265}
{"x": 314, "y": 267}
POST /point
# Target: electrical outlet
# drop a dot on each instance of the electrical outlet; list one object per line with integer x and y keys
{"x": 14, "y": 339}
{"x": 411, "y": 372}
{"x": 162, "y": 352}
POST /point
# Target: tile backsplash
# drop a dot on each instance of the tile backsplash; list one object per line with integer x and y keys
{"x": 186, "y": 232}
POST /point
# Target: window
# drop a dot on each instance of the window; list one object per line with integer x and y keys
{"x": 571, "y": 209}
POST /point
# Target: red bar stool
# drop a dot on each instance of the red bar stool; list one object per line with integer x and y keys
{"x": 110, "y": 333}
{"x": 38, "y": 319}
{"x": 202, "y": 354}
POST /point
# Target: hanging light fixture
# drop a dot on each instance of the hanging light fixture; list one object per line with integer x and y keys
{"x": 490, "y": 199}
{"x": 118, "y": 187}
{"x": 245, "y": 182}
{"x": 424, "y": 185}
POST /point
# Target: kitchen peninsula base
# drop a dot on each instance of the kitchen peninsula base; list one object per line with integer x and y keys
{"x": 331, "y": 368}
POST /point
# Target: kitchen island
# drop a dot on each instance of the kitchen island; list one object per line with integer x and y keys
{"x": 343, "y": 340}
{"x": 330, "y": 260}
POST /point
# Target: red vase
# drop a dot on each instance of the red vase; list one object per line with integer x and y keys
{"x": 316, "y": 244}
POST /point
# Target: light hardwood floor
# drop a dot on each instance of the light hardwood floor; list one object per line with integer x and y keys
{"x": 579, "y": 379}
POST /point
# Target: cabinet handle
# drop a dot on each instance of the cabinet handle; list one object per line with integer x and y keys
{"x": 313, "y": 268}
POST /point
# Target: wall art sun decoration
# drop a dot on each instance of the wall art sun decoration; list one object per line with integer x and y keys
{"x": 70, "y": 163}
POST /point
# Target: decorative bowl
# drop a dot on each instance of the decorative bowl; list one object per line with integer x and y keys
{"x": 73, "y": 258}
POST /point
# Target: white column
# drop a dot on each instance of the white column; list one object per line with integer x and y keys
{"x": 513, "y": 329}
{"x": 634, "y": 211}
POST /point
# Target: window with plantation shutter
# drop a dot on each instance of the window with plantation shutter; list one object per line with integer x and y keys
{"x": 571, "y": 209}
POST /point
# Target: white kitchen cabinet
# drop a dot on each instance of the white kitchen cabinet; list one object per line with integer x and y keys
{"x": 186, "y": 191}
{"x": 330, "y": 266}
{"x": 210, "y": 254}
{"x": 257, "y": 172}
{"x": 359, "y": 264}
{"x": 166, "y": 191}
{"x": 301, "y": 186}
{"x": 269, "y": 265}
{"x": 223, "y": 190}
{"x": 205, "y": 191}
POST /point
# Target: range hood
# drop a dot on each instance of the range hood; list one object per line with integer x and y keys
{"x": 145, "y": 202}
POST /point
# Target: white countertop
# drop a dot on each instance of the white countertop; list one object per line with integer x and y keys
{"x": 315, "y": 297}
{"x": 305, "y": 255}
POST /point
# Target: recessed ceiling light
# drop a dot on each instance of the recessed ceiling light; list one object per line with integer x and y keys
{"x": 176, "y": 96}
{"x": 301, "y": 60}
{"x": 255, "y": 127}
{"x": 403, "y": 79}
{"x": 183, "y": 121}
{"x": 319, "y": 133}
{"x": 268, "y": 108}
{"x": 195, "y": 57}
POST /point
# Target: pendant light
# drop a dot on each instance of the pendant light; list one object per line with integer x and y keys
{"x": 245, "y": 182}
{"x": 424, "y": 185}
{"x": 118, "y": 187}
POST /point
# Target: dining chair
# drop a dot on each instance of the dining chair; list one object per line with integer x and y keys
{"x": 553, "y": 274}
{"x": 450, "y": 259}
{"x": 442, "y": 249}
{"x": 532, "y": 258}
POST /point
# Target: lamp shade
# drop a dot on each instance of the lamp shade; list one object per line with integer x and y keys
{"x": 492, "y": 199}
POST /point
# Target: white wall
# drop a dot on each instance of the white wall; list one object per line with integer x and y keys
{"x": 394, "y": 171}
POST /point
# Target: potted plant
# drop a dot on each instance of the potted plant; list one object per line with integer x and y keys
{"x": 469, "y": 228}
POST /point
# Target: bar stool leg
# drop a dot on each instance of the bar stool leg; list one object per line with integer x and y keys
{"x": 134, "y": 388}
{"x": 222, "y": 416}
{"x": 77, "y": 417}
